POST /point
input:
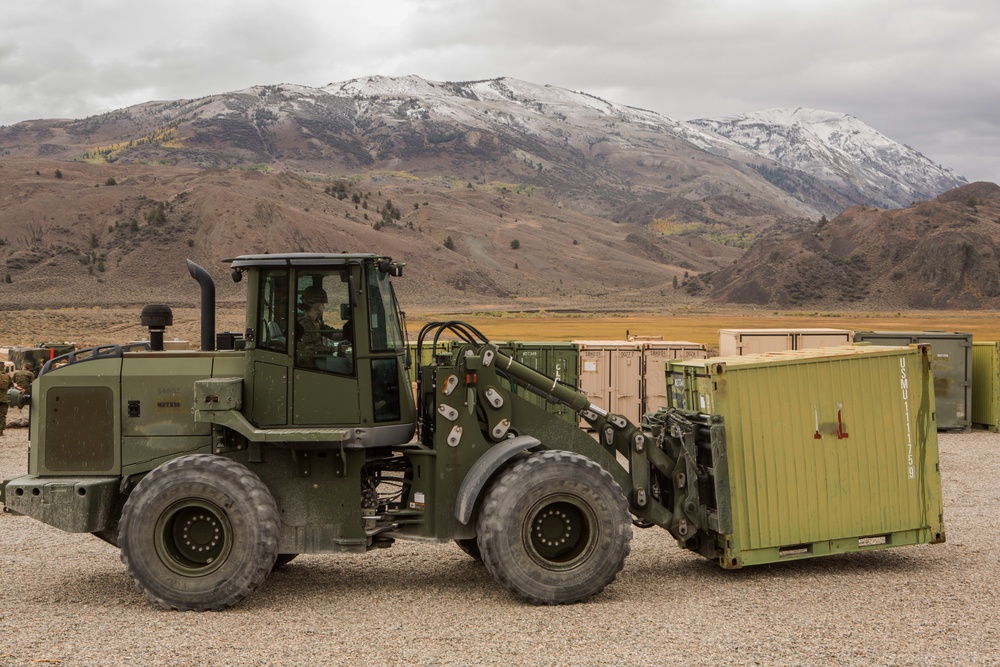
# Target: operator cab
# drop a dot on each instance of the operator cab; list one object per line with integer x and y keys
{"x": 325, "y": 343}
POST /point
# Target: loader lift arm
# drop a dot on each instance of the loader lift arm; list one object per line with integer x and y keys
{"x": 650, "y": 465}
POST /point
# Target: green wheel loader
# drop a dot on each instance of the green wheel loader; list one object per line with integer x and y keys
{"x": 210, "y": 468}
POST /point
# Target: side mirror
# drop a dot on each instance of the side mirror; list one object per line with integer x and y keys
{"x": 394, "y": 269}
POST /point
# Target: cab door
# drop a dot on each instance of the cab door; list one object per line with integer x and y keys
{"x": 324, "y": 365}
{"x": 268, "y": 367}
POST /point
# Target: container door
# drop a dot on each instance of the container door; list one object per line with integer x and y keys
{"x": 626, "y": 382}
{"x": 531, "y": 355}
{"x": 655, "y": 377}
{"x": 811, "y": 341}
{"x": 761, "y": 343}
{"x": 986, "y": 385}
{"x": 950, "y": 363}
{"x": 595, "y": 376}
{"x": 729, "y": 343}
{"x": 692, "y": 353}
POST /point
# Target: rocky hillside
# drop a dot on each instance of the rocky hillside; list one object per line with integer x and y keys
{"x": 500, "y": 194}
{"x": 77, "y": 234}
{"x": 941, "y": 253}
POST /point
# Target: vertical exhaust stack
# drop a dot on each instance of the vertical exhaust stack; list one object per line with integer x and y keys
{"x": 207, "y": 305}
{"x": 157, "y": 318}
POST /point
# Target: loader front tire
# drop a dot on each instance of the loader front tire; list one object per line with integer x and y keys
{"x": 199, "y": 533}
{"x": 554, "y": 528}
{"x": 283, "y": 560}
{"x": 470, "y": 547}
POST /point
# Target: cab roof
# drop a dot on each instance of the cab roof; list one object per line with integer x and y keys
{"x": 303, "y": 259}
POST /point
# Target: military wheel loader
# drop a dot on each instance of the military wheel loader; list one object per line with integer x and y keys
{"x": 210, "y": 468}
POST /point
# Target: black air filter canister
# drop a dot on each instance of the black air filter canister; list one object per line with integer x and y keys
{"x": 157, "y": 317}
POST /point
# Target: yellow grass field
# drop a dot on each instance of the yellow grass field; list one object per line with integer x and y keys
{"x": 93, "y": 326}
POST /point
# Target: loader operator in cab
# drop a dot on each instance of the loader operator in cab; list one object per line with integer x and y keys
{"x": 310, "y": 326}
{"x": 318, "y": 345}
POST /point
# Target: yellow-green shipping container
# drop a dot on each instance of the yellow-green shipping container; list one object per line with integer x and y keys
{"x": 986, "y": 385}
{"x": 826, "y": 451}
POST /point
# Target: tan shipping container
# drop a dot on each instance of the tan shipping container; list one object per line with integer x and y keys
{"x": 738, "y": 342}
{"x": 655, "y": 355}
{"x": 611, "y": 376}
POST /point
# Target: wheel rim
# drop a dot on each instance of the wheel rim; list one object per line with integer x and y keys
{"x": 560, "y": 532}
{"x": 193, "y": 537}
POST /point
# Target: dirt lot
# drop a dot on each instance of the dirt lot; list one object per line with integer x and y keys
{"x": 65, "y": 599}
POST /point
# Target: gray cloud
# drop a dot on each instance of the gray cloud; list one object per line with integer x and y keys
{"x": 922, "y": 72}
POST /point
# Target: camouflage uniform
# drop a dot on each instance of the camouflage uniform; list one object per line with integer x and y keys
{"x": 308, "y": 329}
{"x": 23, "y": 379}
{"x": 5, "y": 383}
{"x": 310, "y": 341}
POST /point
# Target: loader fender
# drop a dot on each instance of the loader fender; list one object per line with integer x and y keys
{"x": 483, "y": 469}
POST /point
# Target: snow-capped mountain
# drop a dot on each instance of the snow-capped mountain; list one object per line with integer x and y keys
{"x": 840, "y": 150}
{"x": 606, "y": 158}
{"x": 618, "y": 201}
{"x": 836, "y": 149}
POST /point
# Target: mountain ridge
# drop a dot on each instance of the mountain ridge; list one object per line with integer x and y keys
{"x": 348, "y": 125}
{"x": 609, "y": 204}
{"x": 840, "y": 150}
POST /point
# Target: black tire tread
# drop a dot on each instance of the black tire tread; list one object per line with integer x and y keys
{"x": 509, "y": 484}
{"x": 233, "y": 474}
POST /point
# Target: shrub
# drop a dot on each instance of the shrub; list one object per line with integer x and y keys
{"x": 158, "y": 215}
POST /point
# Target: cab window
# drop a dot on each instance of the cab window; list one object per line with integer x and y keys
{"x": 324, "y": 331}
{"x": 386, "y": 330}
{"x": 272, "y": 311}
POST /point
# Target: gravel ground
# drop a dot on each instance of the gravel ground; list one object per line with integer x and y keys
{"x": 65, "y": 599}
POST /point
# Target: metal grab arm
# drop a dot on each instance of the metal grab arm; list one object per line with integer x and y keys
{"x": 544, "y": 385}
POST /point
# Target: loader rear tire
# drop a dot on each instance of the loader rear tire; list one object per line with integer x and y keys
{"x": 554, "y": 528}
{"x": 199, "y": 533}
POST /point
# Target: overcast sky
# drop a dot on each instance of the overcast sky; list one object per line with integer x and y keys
{"x": 924, "y": 73}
